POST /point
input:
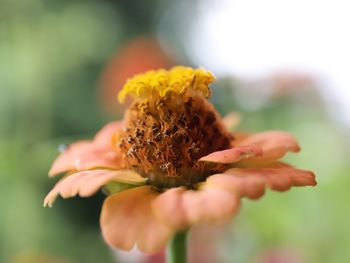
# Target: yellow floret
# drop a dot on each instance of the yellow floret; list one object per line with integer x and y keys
{"x": 159, "y": 83}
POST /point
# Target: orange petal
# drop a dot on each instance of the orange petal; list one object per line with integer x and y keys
{"x": 105, "y": 136}
{"x": 86, "y": 183}
{"x": 233, "y": 155}
{"x": 180, "y": 208}
{"x": 275, "y": 145}
{"x": 250, "y": 182}
{"x": 83, "y": 156}
{"x": 127, "y": 219}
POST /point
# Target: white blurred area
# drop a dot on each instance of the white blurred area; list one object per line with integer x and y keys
{"x": 253, "y": 39}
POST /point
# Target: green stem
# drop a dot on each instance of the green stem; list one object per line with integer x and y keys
{"x": 177, "y": 248}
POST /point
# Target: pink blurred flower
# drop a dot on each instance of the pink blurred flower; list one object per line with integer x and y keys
{"x": 136, "y": 56}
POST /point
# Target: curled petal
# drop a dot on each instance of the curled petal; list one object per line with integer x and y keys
{"x": 127, "y": 219}
{"x": 86, "y": 183}
{"x": 106, "y": 135}
{"x": 251, "y": 182}
{"x": 83, "y": 156}
{"x": 233, "y": 155}
{"x": 180, "y": 208}
{"x": 275, "y": 144}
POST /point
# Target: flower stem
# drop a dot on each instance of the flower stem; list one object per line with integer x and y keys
{"x": 177, "y": 248}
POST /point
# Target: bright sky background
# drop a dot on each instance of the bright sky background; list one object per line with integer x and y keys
{"x": 257, "y": 37}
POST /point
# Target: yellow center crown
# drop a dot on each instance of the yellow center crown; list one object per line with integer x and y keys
{"x": 159, "y": 83}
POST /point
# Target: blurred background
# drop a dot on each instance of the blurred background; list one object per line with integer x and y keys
{"x": 281, "y": 64}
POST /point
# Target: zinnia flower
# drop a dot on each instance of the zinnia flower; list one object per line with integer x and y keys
{"x": 172, "y": 162}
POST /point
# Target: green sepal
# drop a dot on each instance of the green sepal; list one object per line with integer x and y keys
{"x": 116, "y": 187}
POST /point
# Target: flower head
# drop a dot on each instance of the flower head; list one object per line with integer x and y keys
{"x": 172, "y": 162}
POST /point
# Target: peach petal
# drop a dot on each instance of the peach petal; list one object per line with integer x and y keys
{"x": 51, "y": 196}
{"x": 233, "y": 155}
{"x": 91, "y": 184}
{"x": 98, "y": 158}
{"x": 180, "y": 208}
{"x": 275, "y": 145}
{"x": 83, "y": 156}
{"x": 252, "y": 187}
{"x": 86, "y": 183}
{"x": 65, "y": 161}
{"x": 210, "y": 205}
{"x": 90, "y": 154}
{"x": 304, "y": 179}
{"x": 248, "y": 181}
{"x": 127, "y": 219}
{"x": 105, "y": 136}
{"x": 169, "y": 207}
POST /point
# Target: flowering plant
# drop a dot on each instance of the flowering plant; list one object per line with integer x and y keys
{"x": 172, "y": 163}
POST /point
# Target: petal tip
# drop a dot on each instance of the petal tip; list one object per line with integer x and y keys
{"x": 47, "y": 203}
{"x": 295, "y": 147}
{"x": 53, "y": 171}
{"x": 313, "y": 176}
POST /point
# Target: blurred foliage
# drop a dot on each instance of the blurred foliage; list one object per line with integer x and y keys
{"x": 52, "y": 54}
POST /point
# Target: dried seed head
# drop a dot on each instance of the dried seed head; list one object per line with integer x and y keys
{"x": 165, "y": 137}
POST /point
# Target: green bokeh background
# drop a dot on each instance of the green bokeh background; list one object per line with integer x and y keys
{"x": 52, "y": 55}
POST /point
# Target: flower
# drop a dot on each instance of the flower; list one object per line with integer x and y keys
{"x": 172, "y": 162}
